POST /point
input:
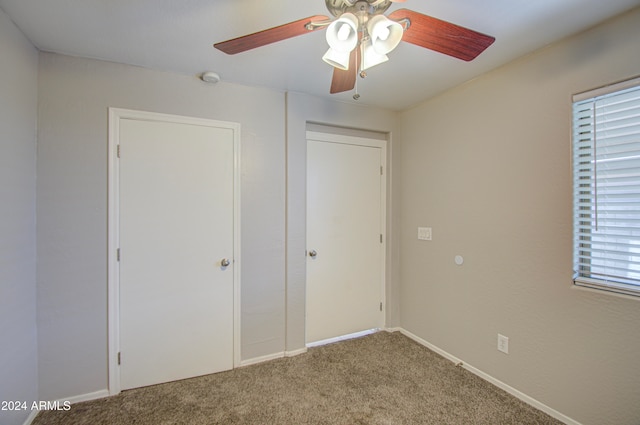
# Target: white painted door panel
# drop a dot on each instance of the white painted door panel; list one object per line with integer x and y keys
{"x": 176, "y": 225}
{"x": 344, "y": 222}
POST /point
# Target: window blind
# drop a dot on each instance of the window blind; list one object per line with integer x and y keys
{"x": 606, "y": 176}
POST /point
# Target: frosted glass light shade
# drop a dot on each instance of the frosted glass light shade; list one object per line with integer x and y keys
{"x": 385, "y": 34}
{"x": 370, "y": 57}
{"x": 337, "y": 59}
{"x": 342, "y": 34}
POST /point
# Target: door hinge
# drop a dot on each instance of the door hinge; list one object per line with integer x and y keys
{"x": 119, "y": 358}
{"x": 380, "y": 306}
{"x": 118, "y": 151}
{"x": 118, "y": 254}
{"x": 381, "y": 172}
{"x": 380, "y": 237}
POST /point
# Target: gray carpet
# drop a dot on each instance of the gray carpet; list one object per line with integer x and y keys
{"x": 380, "y": 379}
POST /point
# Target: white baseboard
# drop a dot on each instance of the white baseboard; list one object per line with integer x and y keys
{"x": 31, "y": 417}
{"x": 86, "y": 397}
{"x": 303, "y": 350}
{"x": 514, "y": 392}
{"x": 71, "y": 400}
{"x": 294, "y": 353}
{"x": 342, "y": 338}
{"x": 273, "y": 356}
{"x": 262, "y": 359}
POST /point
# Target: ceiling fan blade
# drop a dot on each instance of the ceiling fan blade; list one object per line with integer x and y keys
{"x": 262, "y": 38}
{"x": 442, "y": 36}
{"x": 345, "y": 80}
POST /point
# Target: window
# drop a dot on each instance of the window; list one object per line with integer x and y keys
{"x": 606, "y": 188}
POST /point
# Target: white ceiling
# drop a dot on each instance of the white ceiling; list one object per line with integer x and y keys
{"x": 177, "y": 35}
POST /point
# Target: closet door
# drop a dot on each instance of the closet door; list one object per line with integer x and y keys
{"x": 176, "y": 212}
{"x": 345, "y": 262}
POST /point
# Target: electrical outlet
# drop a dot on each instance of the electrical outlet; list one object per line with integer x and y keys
{"x": 424, "y": 233}
{"x": 503, "y": 344}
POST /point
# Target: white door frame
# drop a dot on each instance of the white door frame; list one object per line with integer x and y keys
{"x": 113, "y": 271}
{"x": 382, "y": 144}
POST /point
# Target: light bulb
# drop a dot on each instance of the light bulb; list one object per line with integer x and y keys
{"x": 383, "y": 33}
{"x": 345, "y": 30}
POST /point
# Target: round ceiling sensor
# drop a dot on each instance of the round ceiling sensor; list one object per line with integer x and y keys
{"x": 210, "y": 77}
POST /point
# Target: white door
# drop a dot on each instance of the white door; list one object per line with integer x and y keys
{"x": 345, "y": 222}
{"x": 176, "y": 212}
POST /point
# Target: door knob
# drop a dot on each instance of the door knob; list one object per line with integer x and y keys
{"x": 225, "y": 262}
{"x": 313, "y": 253}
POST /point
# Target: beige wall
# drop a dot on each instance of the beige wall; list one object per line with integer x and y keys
{"x": 75, "y": 95}
{"x": 487, "y": 166}
{"x": 18, "y": 116}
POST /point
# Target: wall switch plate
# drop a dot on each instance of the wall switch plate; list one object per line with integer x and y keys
{"x": 503, "y": 344}
{"x": 424, "y": 233}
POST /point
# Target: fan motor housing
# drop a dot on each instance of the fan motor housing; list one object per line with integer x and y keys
{"x": 372, "y": 7}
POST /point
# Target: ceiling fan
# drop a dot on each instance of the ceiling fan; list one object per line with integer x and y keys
{"x": 361, "y": 35}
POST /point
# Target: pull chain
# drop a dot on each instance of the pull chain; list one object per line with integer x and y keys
{"x": 356, "y": 96}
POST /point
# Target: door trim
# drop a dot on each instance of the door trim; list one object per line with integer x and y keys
{"x": 362, "y": 141}
{"x": 113, "y": 241}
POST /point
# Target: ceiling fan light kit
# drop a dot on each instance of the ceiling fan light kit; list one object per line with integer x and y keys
{"x": 337, "y": 59}
{"x": 361, "y": 36}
